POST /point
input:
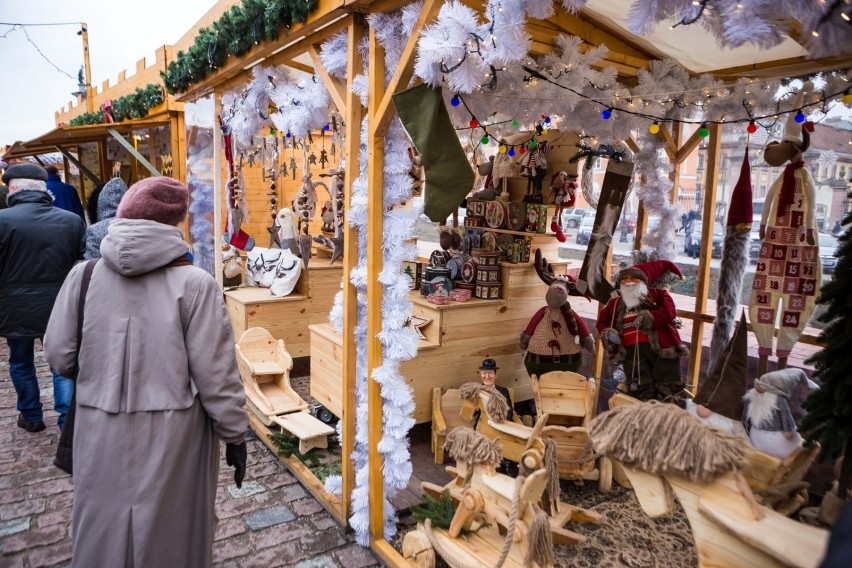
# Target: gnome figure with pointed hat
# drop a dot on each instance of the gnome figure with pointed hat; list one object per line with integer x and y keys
{"x": 719, "y": 402}
{"x": 769, "y": 420}
{"x": 788, "y": 275}
{"x": 638, "y": 329}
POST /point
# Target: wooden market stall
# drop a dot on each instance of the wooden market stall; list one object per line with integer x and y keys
{"x": 448, "y": 352}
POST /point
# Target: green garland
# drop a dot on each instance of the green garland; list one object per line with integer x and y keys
{"x": 134, "y": 105}
{"x": 234, "y": 33}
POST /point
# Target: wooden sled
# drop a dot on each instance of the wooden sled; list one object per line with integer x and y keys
{"x": 729, "y": 527}
{"x": 265, "y": 367}
{"x": 483, "y": 505}
{"x": 762, "y": 472}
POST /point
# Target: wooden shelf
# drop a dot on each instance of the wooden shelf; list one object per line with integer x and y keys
{"x": 508, "y": 232}
{"x": 417, "y": 298}
{"x": 258, "y": 295}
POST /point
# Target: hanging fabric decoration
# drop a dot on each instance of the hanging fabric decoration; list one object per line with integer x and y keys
{"x": 234, "y": 235}
{"x": 735, "y": 257}
{"x": 449, "y": 176}
{"x": 616, "y": 185}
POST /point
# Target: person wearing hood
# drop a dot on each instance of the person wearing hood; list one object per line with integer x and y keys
{"x": 108, "y": 200}
{"x": 157, "y": 389}
{"x": 39, "y": 244}
{"x": 64, "y": 194}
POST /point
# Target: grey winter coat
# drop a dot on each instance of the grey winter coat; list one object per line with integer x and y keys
{"x": 39, "y": 244}
{"x": 158, "y": 387}
{"x": 108, "y": 201}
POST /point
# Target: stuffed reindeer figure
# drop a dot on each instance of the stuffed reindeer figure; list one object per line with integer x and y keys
{"x": 788, "y": 274}
{"x": 551, "y": 337}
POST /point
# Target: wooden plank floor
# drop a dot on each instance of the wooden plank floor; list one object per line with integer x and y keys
{"x": 424, "y": 468}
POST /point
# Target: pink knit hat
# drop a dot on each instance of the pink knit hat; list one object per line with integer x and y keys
{"x": 161, "y": 199}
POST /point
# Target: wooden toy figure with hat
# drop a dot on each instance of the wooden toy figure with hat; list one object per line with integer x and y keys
{"x": 488, "y": 376}
{"x": 639, "y": 329}
{"x": 788, "y": 275}
{"x": 555, "y": 334}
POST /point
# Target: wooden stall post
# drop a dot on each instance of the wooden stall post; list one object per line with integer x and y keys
{"x": 713, "y": 150}
{"x": 217, "y": 190}
{"x": 354, "y": 113}
{"x": 177, "y": 133}
{"x": 375, "y": 222}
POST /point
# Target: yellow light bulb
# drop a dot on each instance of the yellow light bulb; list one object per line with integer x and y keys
{"x": 654, "y": 128}
{"x": 502, "y": 149}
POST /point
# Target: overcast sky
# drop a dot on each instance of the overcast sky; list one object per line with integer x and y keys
{"x": 120, "y": 33}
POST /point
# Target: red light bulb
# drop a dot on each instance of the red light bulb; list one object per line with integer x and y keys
{"x": 751, "y": 128}
{"x": 474, "y": 123}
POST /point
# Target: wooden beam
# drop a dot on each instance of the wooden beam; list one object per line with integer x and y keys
{"x": 686, "y": 149}
{"x": 133, "y": 152}
{"x": 404, "y": 69}
{"x": 177, "y": 134}
{"x": 218, "y": 186}
{"x": 782, "y": 68}
{"x": 710, "y": 318}
{"x": 666, "y": 136}
{"x": 713, "y": 151}
{"x": 85, "y": 171}
{"x": 388, "y": 554}
{"x": 375, "y": 223}
{"x": 334, "y": 86}
{"x": 675, "y": 173}
{"x": 103, "y": 161}
{"x": 300, "y": 66}
{"x": 354, "y": 114}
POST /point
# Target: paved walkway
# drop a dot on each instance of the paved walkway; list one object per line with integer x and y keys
{"x": 271, "y": 521}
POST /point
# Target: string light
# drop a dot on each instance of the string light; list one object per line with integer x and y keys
{"x": 533, "y": 144}
{"x": 654, "y": 128}
{"x": 511, "y": 151}
{"x": 606, "y": 113}
{"x": 485, "y": 139}
{"x": 515, "y": 122}
{"x": 704, "y": 131}
{"x": 800, "y": 117}
{"x": 847, "y": 99}
{"x": 474, "y": 123}
{"x": 502, "y": 149}
{"x": 751, "y": 128}
{"x": 455, "y": 101}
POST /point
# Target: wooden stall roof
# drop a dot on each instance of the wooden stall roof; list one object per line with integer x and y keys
{"x": 74, "y": 135}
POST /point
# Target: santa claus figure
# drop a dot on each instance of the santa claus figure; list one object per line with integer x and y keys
{"x": 719, "y": 402}
{"x": 638, "y": 329}
{"x": 769, "y": 420}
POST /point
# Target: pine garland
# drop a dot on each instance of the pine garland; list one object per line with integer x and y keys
{"x": 829, "y": 418}
{"x": 134, "y": 105}
{"x": 440, "y": 510}
{"x": 234, "y": 33}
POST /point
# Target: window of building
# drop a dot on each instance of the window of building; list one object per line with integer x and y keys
{"x": 700, "y": 162}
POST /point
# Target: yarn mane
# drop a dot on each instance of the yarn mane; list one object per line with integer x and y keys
{"x": 662, "y": 438}
{"x": 497, "y": 406}
{"x": 466, "y": 445}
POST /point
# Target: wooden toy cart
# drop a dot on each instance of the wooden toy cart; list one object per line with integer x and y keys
{"x": 265, "y": 367}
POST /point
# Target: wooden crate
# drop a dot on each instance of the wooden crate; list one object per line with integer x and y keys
{"x": 287, "y": 317}
{"x": 459, "y": 337}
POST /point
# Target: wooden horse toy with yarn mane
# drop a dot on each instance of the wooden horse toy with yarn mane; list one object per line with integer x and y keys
{"x": 666, "y": 453}
{"x": 485, "y": 501}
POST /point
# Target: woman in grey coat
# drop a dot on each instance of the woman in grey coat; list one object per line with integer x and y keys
{"x": 157, "y": 388}
{"x": 108, "y": 200}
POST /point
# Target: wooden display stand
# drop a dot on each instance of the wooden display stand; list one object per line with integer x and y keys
{"x": 288, "y": 317}
{"x": 459, "y": 337}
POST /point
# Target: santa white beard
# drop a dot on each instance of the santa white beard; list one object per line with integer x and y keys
{"x": 761, "y": 406}
{"x": 723, "y": 423}
{"x": 633, "y": 294}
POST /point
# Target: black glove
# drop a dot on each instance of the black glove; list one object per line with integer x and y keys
{"x": 235, "y": 456}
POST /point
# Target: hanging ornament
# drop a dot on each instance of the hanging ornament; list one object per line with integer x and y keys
{"x": 800, "y": 117}
{"x": 751, "y": 128}
{"x": 704, "y": 132}
{"x": 654, "y": 128}
{"x": 474, "y": 123}
{"x": 455, "y": 101}
{"x": 606, "y": 113}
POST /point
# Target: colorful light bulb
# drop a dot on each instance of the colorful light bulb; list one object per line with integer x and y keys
{"x": 800, "y": 117}
{"x": 474, "y": 123}
{"x": 654, "y": 128}
{"x": 502, "y": 149}
{"x": 606, "y": 113}
{"x": 751, "y": 128}
{"x": 704, "y": 132}
{"x": 511, "y": 151}
{"x": 455, "y": 101}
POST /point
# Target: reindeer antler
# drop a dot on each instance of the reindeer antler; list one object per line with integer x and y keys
{"x": 543, "y": 268}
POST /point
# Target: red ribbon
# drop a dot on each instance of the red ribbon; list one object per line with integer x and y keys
{"x": 788, "y": 187}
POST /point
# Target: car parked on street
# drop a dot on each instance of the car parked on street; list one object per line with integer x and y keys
{"x": 756, "y": 242}
{"x": 827, "y": 247}
{"x": 692, "y": 242}
{"x": 573, "y": 217}
{"x": 584, "y": 231}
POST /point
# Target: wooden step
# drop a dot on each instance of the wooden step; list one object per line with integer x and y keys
{"x": 266, "y": 368}
{"x": 312, "y": 433}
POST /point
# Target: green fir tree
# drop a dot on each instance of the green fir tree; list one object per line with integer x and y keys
{"x": 829, "y": 419}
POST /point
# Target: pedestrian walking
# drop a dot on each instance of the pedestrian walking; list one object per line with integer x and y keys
{"x": 107, "y": 204}
{"x": 157, "y": 389}
{"x": 39, "y": 245}
{"x": 64, "y": 194}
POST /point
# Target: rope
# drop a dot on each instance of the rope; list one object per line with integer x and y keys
{"x": 507, "y": 542}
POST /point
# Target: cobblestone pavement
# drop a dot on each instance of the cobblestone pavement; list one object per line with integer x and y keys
{"x": 271, "y": 521}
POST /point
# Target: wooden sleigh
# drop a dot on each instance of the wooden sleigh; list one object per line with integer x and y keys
{"x": 569, "y": 401}
{"x": 730, "y": 528}
{"x": 265, "y": 367}
{"x": 484, "y": 505}
{"x": 763, "y": 472}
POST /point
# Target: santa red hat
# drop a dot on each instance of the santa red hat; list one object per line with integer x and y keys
{"x": 740, "y": 210}
{"x": 650, "y": 272}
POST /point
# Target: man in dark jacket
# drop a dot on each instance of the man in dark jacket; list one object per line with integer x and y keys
{"x": 64, "y": 195}
{"x": 39, "y": 244}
